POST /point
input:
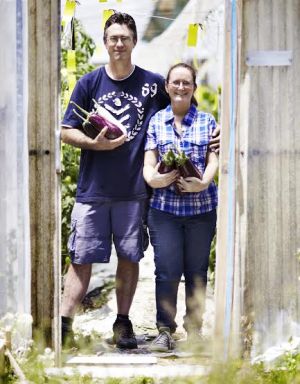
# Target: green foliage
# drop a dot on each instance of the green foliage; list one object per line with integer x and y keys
{"x": 285, "y": 371}
{"x": 84, "y": 50}
{"x": 70, "y": 155}
{"x": 208, "y": 100}
{"x": 69, "y": 174}
{"x": 212, "y": 261}
{"x": 136, "y": 380}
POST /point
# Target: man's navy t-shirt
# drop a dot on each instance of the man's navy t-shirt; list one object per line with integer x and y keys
{"x": 116, "y": 174}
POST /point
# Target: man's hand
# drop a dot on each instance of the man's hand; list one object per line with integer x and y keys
{"x": 101, "y": 143}
{"x": 214, "y": 143}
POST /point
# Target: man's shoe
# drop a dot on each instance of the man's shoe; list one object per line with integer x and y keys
{"x": 163, "y": 342}
{"x": 124, "y": 336}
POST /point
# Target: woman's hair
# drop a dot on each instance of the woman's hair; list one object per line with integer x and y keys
{"x": 121, "y": 18}
{"x": 193, "y": 73}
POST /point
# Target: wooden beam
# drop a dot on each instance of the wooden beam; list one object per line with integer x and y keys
{"x": 226, "y": 343}
{"x": 43, "y": 118}
{"x": 258, "y": 275}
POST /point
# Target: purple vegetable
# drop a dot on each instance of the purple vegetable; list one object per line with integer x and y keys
{"x": 180, "y": 162}
{"x": 186, "y": 168}
{"x": 167, "y": 163}
{"x": 93, "y": 123}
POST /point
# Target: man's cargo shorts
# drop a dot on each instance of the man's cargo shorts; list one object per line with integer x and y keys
{"x": 96, "y": 225}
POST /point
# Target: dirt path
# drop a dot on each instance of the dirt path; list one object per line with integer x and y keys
{"x": 105, "y": 360}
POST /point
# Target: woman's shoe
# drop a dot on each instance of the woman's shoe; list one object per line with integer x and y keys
{"x": 163, "y": 342}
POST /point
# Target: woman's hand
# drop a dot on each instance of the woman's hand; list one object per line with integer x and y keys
{"x": 161, "y": 180}
{"x": 151, "y": 174}
{"x": 191, "y": 184}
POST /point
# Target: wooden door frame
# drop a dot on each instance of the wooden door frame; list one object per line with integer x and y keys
{"x": 44, "y": 168}
{"x": 227, "y": 320}
{"x": 44, "y": 173}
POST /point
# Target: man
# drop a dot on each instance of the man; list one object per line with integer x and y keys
{"x": 111, "y": 192}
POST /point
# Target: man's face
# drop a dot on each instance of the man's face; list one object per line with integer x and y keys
{"x": 119, "y": 42}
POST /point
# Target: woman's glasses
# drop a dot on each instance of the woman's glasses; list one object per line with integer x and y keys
{"x": 183, "y": 83}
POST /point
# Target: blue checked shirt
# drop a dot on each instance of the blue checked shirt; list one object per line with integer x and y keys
{"x": 197, "y": 128}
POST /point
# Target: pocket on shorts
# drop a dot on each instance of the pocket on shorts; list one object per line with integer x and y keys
{"x": 72, "y": 237}
{"x": 87, "y": 250}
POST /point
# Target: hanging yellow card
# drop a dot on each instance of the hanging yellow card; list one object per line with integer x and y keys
{"x": 71, "y": 81}
{"x": 102, "y": 1}
{"x": 192, "y": 35}
{"x": 106, "y": 15}
{"x": 67, "y": 96}
{"x": 68, "y": 12}
{"x": 71, "y": 61}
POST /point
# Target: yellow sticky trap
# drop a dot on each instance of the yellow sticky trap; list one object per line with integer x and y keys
{"x": 106, "y": 15}
{"x": 119, "y": 1}
{"x": 71, "y": 81}
{"x": 102, "y": 1}
{"x": 68, "y": 12}
{"x": 71, "y": 61}
{"x": 195, "y": 62}
{"x": 192, "y": 35}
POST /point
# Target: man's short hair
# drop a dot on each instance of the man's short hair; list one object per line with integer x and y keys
{"x": 121, "y": 18}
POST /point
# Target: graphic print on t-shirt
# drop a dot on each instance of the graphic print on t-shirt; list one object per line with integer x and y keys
{"x": 128, "y": 109}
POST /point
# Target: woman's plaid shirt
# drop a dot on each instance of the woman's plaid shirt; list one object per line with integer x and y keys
{"x": 197, "y": 128}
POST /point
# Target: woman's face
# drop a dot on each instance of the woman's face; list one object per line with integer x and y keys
{"x": 180, "y": 86}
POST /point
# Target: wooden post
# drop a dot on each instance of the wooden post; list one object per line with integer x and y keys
{"x": 43, "y": 118}
{"x": 225, "y": 343}
{"x": 257, "y": 269}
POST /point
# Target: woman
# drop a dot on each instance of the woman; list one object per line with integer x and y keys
{"x": 182, "y": 225}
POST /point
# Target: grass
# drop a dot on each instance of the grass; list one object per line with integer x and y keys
{"x": 286, "y": 371}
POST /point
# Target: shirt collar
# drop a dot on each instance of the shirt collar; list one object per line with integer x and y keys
{"x": 188, "y": 118}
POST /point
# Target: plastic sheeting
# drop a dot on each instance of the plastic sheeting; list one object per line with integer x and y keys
{"x": 170, "y": 46}
{"x": 14, "y": 199}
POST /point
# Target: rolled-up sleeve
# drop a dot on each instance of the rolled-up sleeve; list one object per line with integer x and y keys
{"x": 150, "y": 142}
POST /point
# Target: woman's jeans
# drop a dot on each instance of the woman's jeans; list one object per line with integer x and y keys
{"x": 181, "y": 247}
